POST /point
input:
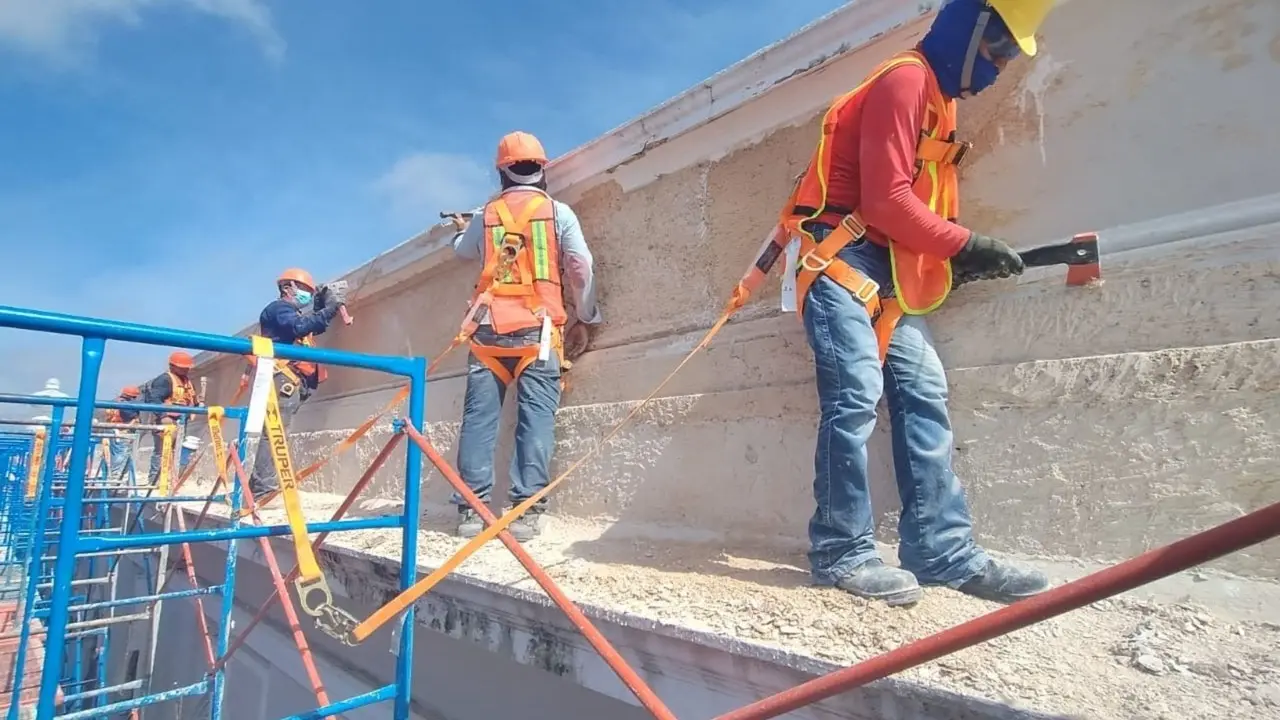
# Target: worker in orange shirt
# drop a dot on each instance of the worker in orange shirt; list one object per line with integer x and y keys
{"x": 172, "y": 387}
{"x": 876, "y": 214}
{"x": 525, "y": 240}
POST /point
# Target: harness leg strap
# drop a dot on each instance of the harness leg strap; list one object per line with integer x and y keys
{"x": 493, "y": 356}
{"x": 821, "y": 259}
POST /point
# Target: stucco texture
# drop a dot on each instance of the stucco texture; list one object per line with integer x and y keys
{"x": 1090, "y": 422}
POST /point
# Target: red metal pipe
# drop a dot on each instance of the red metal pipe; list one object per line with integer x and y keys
{"x": 378, "y": 461}
{"x": 286, "y": 602}
{"x": 1152, "y": 565}
{"x": 190, "y": 564}
{"x": 608, "y": 653}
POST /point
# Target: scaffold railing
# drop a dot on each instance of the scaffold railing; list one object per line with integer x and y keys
{"x": 65, "y": 535}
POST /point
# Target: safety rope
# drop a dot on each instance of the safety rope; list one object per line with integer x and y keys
{"x": 406, "y": 598}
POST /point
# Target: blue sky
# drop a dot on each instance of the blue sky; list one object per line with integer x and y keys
{"x": 162, "y": 160}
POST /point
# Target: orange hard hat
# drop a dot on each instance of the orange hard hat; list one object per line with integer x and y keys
{"x": 129, "y": 391}
{"x": 302, "y": 277}
{"x": 180, "y": 359}
{"x": 520, "y": 147}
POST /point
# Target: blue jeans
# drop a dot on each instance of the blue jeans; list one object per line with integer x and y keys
{"x": 936, "y": 533}
{"x": 121, "y": 449}
{"x": 538, "y": 398}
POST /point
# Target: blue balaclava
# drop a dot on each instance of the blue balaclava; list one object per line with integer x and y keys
{"x": 951, "y": 46}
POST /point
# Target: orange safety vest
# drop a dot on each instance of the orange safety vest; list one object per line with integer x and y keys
{"x": 520, "y": 230}
{"x": 113, "y": 415}
{"x": 921, "y": 282}
{"x": 183, "y": 393}
{"x": 519, "y": 284}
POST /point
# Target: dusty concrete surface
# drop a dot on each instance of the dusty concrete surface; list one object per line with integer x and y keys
{"x": 1120, "y": 659}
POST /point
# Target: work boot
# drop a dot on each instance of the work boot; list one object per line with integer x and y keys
{"x": 469, "y": 522}
{"x": 526, "y": 527}
{"x": 1005, "y": 583}
{"x": 876, "y": 581}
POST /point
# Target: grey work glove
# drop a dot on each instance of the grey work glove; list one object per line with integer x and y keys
{"x": 985, "y": 258}
{"x": 330, "y": 296}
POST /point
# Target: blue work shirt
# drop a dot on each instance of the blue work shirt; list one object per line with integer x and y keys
{"x": 283, "y": 322}
{"x": 575, "y": 257}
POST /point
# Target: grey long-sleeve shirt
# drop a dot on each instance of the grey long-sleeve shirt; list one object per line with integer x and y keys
{"x": 575, "y": 257}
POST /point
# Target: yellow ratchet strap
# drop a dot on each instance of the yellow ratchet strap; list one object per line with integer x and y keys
{"x": 314, "y": 594}
{"x": 216, "y": 414}
{"x": 37, "y": 460}
{"x": 166, "y": 459}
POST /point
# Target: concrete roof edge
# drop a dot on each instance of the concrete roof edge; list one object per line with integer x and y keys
{"x": 848, "y": 28}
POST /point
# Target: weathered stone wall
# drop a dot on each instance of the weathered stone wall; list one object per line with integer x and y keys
{"x": 1091, "y": 423}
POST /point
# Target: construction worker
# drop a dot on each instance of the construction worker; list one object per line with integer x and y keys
{"x": 301, "y": 311}
{"x": 121, "y": 444}
{"x": 525, "y": 239}
{"x": 875, "y": 214}
{"x": 169, "y": 388}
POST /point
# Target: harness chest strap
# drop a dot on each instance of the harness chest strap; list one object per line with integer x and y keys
{"x": 517, "y": 229}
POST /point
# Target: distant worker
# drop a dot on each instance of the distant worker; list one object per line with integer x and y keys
{"x": 301, "y": 311}
{"x": 121, "y": 443}
{"x": 875, "y": 212}
{"x": 170, "y": 388}
{"x": 525, "y": 239}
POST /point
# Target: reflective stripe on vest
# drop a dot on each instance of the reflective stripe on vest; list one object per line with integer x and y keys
{"x": 521, "y": 236}
{"x": 182, "y": 393}
{"x": 921, "y": 282}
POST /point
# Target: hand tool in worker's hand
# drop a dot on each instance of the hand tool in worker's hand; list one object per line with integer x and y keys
{"x": 1080, "y": 255}
{"x": 338, "y": 289}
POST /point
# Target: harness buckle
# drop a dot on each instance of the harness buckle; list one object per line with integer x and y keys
{"x": 867, "y": 291}
{"x": 287, "y": 388}
{"x": 811, "y": 262}
{"x": 512, "y": 243}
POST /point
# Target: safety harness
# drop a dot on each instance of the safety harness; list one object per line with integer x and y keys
{"x": 818, "y": 258}
{"x": 521, "y": 257}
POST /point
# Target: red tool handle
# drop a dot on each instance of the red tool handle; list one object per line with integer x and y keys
{"x": 346, "y": 316}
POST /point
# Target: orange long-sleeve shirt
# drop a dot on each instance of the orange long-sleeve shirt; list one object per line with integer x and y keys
{"x": 873, "y": 156}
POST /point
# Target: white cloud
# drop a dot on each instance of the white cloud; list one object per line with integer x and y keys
{"x": 422, "y": 184}
{"x": 63, "y": 31}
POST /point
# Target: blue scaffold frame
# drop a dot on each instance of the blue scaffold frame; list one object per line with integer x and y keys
{"x": 95, "y": 334}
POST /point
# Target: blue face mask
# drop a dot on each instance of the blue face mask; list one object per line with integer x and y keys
{"x": 302, "y": 297}
{"x": 948, "y": 45}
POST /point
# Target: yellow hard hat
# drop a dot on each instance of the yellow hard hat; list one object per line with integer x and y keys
{"x": 1023, "y": 18}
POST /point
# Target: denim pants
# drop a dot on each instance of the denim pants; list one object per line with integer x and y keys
{"x": 936, "y": 533}
{"x": 157, "y": 439}
{"x": 121, "y": 449}
{"x": 537, "y": 397}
